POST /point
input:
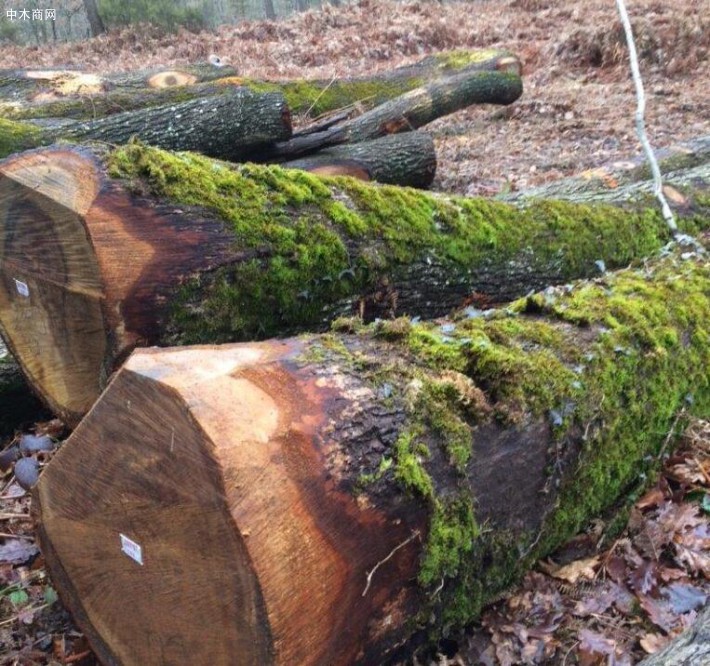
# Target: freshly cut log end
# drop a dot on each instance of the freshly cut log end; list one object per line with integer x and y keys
{"x": 49, "y": 274}
{"x": 211, "y": 528}
{"x": 104, "y": 251}
{"x": 80, "y": 282}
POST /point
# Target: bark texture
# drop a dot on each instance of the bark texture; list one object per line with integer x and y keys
{"x": 229, "y": 126}
{"x": 409, "y": 111}
{"x": 38, "y": 86}
{"x": 102, "y": 251}
{"x": 354, "y": 488}
{"x": 311, "y": 97}
{"x": 400, "y": 159}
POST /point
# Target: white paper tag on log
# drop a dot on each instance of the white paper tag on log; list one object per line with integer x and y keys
{"x": 132, "y": 549}
{"x": 22, "y": 288}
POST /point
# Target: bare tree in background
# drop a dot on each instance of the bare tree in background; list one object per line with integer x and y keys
{"x": 95, "y": 22}
{"x": 269, "y": 11}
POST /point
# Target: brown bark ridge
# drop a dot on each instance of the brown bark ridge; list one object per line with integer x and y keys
{"x": 409, "y": 111}
{"x": 232, "y": 125}
{"x": 317, "y": 500}
{"x": 399, "y": 159}
{"x": 180, "y": 249}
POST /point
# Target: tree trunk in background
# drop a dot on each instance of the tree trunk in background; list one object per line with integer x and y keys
{"x": 182, "y": 249}
{"x": 269, "y": 11}
{"x": 92, "y": 14}
{"x": 355, "y": 487}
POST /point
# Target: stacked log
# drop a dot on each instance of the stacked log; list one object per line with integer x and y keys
{"x": 101, "y": 251}
{"x": 317, "y": 500}
{"x": 349, "y": 473}
{"x": 85, "y": 96}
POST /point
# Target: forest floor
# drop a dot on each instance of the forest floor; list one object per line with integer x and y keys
{"x": 584, "y": 606}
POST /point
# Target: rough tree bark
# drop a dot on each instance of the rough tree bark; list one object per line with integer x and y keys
{"x": 408, "y": 112}
{"x": 691, "y": 647}
{"x": 103, "y": 251}
{"x": 229, "y": 126}
{"x": 618, "y": 181}
{"x": 94, "y": 96}
{"x": 399, "y": 159}
{"x": 353, "y": 488}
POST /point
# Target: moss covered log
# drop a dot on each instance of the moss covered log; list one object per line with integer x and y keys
{"x": 228, "y": 126}
{"x": 101, "y": 251}
{"x": 356, "y": 487}
{"x": 311, "y": 97}
{"x": 400, "y": 159}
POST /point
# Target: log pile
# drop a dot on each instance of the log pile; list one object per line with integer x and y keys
{"x": 386, "y": 479}
{"x": 389, "y": 476}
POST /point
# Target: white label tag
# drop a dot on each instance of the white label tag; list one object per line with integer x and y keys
{"x": 132, "y": 549}
{"x": 22, "y": 288}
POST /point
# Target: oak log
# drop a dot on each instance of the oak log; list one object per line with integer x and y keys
{"x": 102, "y": 251}
{"x": 317, "y": 500}
{"x": 66, "y": 97}
{"x": 408, "y": 112}
{"x": 398, "y": 159}
{"x": 44, "y": 85}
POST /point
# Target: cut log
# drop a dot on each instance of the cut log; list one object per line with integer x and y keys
{"x": 228, "y": 126}
{"x": 88, "y": 102}
{"x": 408, "y": 112}
{"x": 45, "y": 85}
{"x": 400, "y": 159}
{"x": 621, "y": 180}
{"x": 100, "y": 252}
{"x": 317, "y": 500}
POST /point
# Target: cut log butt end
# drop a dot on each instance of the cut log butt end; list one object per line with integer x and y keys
{"x": 213, "y": 529}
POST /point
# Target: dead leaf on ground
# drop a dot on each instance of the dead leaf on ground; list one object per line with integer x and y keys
{"x": 579, "y": 570}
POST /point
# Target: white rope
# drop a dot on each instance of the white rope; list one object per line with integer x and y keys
{"x": 640, "y": 127}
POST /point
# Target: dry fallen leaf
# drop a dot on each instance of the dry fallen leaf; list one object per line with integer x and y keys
{"x": 652, "y": 643}
{"x": 578, "y": 570}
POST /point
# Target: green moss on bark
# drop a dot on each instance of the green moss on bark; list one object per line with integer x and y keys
{"x": 16, "y": 137}
{"x": 321, "y": 241}
{"x": 607, "y": 363}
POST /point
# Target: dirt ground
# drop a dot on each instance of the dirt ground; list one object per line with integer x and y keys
{"x": 576, "y": 113}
